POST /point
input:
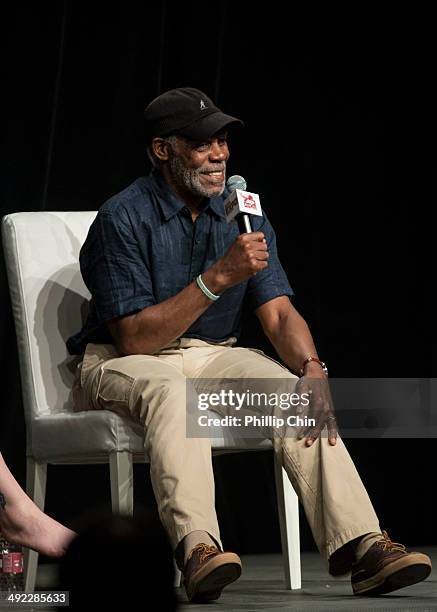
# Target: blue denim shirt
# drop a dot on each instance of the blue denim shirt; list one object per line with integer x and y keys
{"x": 143, "y": 248}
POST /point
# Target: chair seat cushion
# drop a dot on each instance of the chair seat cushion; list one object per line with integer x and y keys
{"x": 81, "y": 437}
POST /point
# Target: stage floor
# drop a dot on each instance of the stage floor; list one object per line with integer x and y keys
{"x": 261, "y": 588}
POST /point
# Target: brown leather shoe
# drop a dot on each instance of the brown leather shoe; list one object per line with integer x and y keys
{"x": 208, "y": 570}
{"x": 388, "y": 566}
{"x": 341, "y": 562}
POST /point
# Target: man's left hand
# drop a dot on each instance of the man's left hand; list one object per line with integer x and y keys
{"x": 320, "y": 408}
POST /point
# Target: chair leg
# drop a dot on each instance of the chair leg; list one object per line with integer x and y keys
{"x": 122, "y": 483}
{"x": 288, "y": 508}
{"x": 36, "y": 480}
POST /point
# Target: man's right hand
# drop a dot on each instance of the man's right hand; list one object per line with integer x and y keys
{"x": 244, "y": 258}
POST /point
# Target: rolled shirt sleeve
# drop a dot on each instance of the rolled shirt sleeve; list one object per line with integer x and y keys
{"x": 271, "y": 282}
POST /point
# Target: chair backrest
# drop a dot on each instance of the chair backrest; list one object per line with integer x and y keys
{"x": 49, "y": 301}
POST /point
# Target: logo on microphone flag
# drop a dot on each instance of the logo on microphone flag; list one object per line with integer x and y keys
{"x": 241, "y": 202}
{"x": 249, "y": 201}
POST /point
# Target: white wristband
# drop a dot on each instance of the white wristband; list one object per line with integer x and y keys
{"x": 209, "y": 294}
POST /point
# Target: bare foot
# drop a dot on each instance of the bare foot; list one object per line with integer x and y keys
{"x": 25, "y": 524}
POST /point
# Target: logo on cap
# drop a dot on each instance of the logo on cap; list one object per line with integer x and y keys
{"x": 202, "y": 105}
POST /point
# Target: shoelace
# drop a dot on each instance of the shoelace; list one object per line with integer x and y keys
{"x": 387, "y": 544}
{"x": 205, "y": 551}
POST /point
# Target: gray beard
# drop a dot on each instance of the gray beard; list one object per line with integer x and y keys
{"x": 190, "y": 179}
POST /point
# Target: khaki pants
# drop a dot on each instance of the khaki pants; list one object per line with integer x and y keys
{"x": 153, "y": 389}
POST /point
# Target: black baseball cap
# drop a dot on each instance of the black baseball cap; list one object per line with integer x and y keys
{"x": 185, "y": 111}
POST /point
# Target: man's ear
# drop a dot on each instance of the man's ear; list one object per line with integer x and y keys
{"x": 160, "y": 149}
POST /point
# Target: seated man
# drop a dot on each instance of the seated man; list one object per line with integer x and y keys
{"x": 167, "y": 276}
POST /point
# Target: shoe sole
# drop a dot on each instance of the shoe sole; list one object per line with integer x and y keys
{"x": 396, "y": 575}
{"x": 207, "y": 584}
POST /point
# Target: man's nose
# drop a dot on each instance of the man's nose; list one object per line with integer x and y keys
{"x": 218, "y": 152}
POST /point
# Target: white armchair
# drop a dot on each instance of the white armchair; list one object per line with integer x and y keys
{"x": 49, "y": 300}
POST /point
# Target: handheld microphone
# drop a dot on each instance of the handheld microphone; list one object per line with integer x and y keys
{"x": 240, "y": 204}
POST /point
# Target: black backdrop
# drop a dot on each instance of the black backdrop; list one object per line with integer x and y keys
{"x": 331, "y": 104}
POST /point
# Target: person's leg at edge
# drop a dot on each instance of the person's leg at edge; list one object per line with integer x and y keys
{"x": 23, "y": 523}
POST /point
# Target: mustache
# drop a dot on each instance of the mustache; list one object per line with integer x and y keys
{"x": 218, "y": 167}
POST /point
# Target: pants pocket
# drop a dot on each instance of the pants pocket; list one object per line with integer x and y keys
{"x": 113, "y": 389}
{"x": 95, "y": 355}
